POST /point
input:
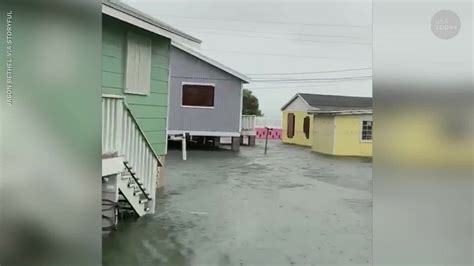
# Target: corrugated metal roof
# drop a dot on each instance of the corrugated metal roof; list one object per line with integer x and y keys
{"x": 126, "y": 9}
{"x": 324, "y": 102}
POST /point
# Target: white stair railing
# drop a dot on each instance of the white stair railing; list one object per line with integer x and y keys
{"x": 122, "y": 135}
{"x": 248, "y": 123}
{"x": 112, "y": 110}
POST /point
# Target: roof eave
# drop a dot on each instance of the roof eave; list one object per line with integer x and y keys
{"x": 134, "y": 17}
{"x": 342, "y": 112}
{"x": 211, "y": 61}
{"x": 294, "y": 98}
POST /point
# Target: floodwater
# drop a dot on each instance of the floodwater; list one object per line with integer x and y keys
{"x": 289, "y": 207}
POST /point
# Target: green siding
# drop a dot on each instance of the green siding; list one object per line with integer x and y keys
{"x": 159, "y": 86}
{"x": 159, "y": 73}
{"x": 111, "y": 79}
{"x": 150, "y": 111}
{"x": 152, "y": 124}
{"x": 157, "y": 99}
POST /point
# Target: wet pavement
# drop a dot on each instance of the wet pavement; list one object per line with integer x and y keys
{"x": 290, "y": 207}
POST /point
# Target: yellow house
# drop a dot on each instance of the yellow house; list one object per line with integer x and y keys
{"x": 299, "y": 122}
{"x": 344, "y": 133}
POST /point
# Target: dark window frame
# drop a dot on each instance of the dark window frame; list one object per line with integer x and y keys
{"x": 186, "y": 91}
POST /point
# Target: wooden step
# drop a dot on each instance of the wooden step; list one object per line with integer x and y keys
{"x": 139, "y": 193}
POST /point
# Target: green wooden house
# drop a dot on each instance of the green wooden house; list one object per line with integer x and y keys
{"x": 135, "y": 89}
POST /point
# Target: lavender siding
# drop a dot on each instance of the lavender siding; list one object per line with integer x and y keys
{"x": 224, "y": 117}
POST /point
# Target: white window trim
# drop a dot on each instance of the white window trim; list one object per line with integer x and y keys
{"x": 197, "y": 106}
{"x": 136, "y": 93}
{"x": 362, "y": 119}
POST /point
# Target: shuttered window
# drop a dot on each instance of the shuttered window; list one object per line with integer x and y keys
{"x": 306, "y": 127}
{"x": 138, "y": 72}
{"x": 290, "y": 132}
{"x": 198, "y": 95}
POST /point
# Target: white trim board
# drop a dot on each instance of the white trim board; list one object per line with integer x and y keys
{"x": 113, "y": 96}
{"x": 168, "y": 102}
{"x": 342, "y": 112}
{"x": 241, "y": 104}
{"x": 163, "y": 30}
{"x": 198, "y": 83}
{"x": 204, "y": 133}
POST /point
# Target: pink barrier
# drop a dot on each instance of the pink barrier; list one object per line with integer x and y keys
{"x": 273, "y": 133}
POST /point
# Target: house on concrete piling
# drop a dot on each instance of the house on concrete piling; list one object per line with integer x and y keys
{"x": 330, "y": 124}
{"x": 205, "y": 98}
{"x": 135, "y": 89}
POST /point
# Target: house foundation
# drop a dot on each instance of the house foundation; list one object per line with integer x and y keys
{"x": 251, "y": 142}
{"x": 235, "y": 144}
{"x": 247, "y": 140}
{"x": 216, "y": 141}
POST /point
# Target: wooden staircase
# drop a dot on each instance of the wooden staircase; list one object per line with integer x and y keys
{"x": 136, "y": 165}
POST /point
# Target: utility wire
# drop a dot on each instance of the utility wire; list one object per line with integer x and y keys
{"x": 286, "y": 39}
{"x": 267, "y": 21}
{"x": 271, "y": 32}
{"x": 288, "y": 88}
{"x": 305, "y": 73}
{"x": 283, "y": 55}
{"x": 309, "y": 85}
{"x": 311, "y": 79}
{"x": 300, "y": 83}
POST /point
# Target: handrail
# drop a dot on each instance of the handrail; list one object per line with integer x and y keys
{"x": 247, "y": 122}
{"x": 147, "y": 142}
{"x": 123, "y": 136}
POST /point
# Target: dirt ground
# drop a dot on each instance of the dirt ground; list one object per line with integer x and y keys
{"x": 289, "y": 207}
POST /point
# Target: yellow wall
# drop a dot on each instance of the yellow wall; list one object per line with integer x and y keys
{"x": 323, "y": 134}
{"x": 348, "y": 137}
{"x": 426, "y": 137}
{"x": 299, "y": 138}
{"x": 340, "y": 135}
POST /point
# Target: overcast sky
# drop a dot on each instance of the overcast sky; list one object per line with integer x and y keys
{"x": 282, "y": 39}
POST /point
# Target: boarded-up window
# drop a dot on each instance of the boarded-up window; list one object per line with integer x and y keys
{"x": 290, "y": 132}
{"x": 138, "y": 72}
{"x": 198, "y": 95}
{"x": 306, "y": 127}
